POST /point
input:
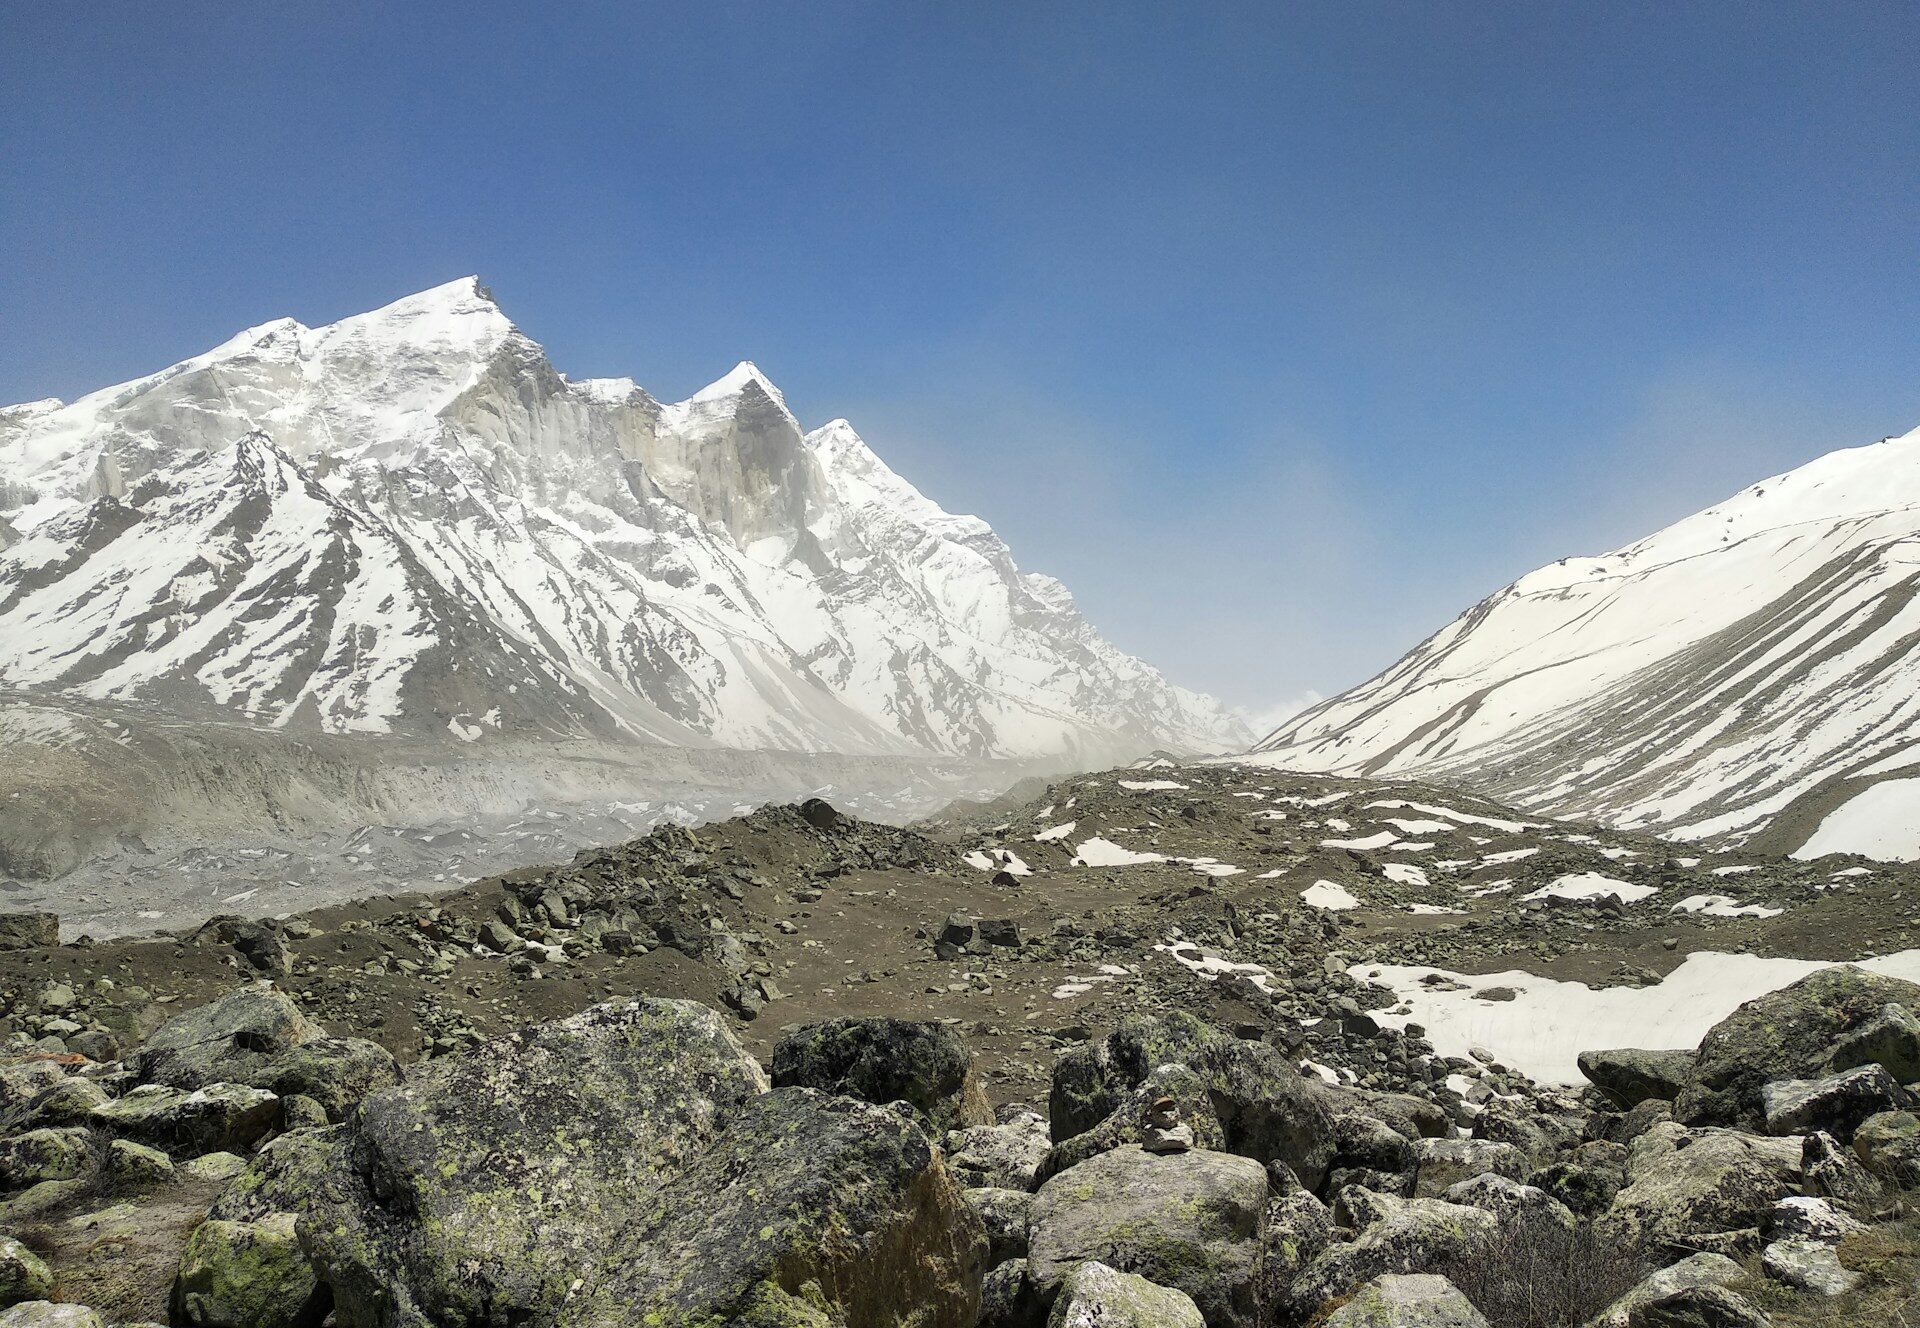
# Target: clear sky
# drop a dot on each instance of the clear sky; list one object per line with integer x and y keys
{"x": 1281, "y": 333}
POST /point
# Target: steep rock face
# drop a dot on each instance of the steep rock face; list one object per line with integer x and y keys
{"x": 1744, "y": 676}
{"x": 410, "y": 522}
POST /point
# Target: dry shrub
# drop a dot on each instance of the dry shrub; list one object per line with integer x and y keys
{"x": 1542, "y": 1275}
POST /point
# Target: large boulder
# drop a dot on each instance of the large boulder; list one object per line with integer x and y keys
{"x": 1407, "y": 1300}
{"x": 1682, "y": 1181}
{"x": 1630, "y": 1076}
{"x": 220, "y": 1117}
{"x": 247, "y": 1275}
{"x": 1096, "y": 1296}
{"x": 48, "y": 1154}
{"x": 24, "y": 1275}
{"x": 921, "y": 1062}
{"x": 1270, "y": 1111}
{"x": 1696, "y": 1270}
{"x": 1791, "y": 1033}
{"x": 258, "y": 1037}
{"x": 1391, "y": 1235}
{"x": 1090, "y": 1080}
{"x": 1889, "y": 1146}
{"x": 1699, "y": 1307}
{"x": 1128, "y": 1123}
{"x": 1191, "y": 1221}
{"x": 1891, "y": 1040}
{"x": 47, "y": 1314}
{"x": 1808, "y": 1265}
{"x": 629, "y": 1165}
{"x": 1446, "y": 1162}
{"x": 1836, "y": 1104}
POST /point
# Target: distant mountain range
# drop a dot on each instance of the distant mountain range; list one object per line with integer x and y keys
{"x": 1749, "y": 675}
{"x": 409, "y": 522}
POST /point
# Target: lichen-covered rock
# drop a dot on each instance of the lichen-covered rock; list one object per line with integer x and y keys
{"x": 1191, "y": 1221}
{"x": 1587, "y": 1180}
{"x": 217, "y": 1118}
{"x": 627, "y": 1165}
{"x": 1391, "y": 1235}
{"x": 1803, "y": 1217}
{"x": 1268, "y": 1110}
{"x": 24, "y": 1275}
{"x": 1697, "y": 1270}
{"x": 1446, "y": 1162}
{"x": 1630, "y": 1076}
{"x": 231, "y": 1040}
{"x": 1003, "y": 1213}
{"x": 1005, "y": 1155}
{"x": 1808, "y": 1265}
{"x": 1699, "y": 1307}
{"x": 1515, "y": 1204}
{"x": 1008, "y": 1299}
{"x": 247, "y": 1275}
{"x": 1089, "y": 1081}
{"x": 1889, "y": 1146}
{"x": 1096, "y": 1296}
{"x": 1407, "y": 1300}
{"x": 1683, "y": 1181}
{"x": 1829, "y": 1171}
{"x": 1836, "y": 1104}
{"x": 46, "y": 1314}
{"x": 337, "y": 1073}
{"x": 26, "y": 930}
{"x": 921, "y": 1062}
{"x": 66, "y": 1101}
{"x": 1127, "y": 1122}
{"x": 137, "y": 1164}
{"x": 1890, "y": 1039}
{"x": 48, "y": 1154}
{"x": 1785, "y": 1034}
{"x": 285, "y": 1176}
{"x": 22, "y": 1082}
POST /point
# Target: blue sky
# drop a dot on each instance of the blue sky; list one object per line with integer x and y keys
{"x": 1280, "y": 333}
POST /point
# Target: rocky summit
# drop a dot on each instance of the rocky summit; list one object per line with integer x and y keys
{"x": 1193, "y": 1044}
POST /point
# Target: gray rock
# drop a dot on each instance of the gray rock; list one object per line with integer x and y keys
{"x": 1191, "y": 1221}
{"x": 1836, "y": 1104}
{"x": 1890, "y": 1039}
{"x": 1513, "y": 1203}
{"x": 625, "y": 1164}
{"x": 285, "y": 1176}
{"x": 1803, "y": 1217}
{"x": 1446, "y": 1162}
{"x": 21, "y": 931}
{"x": 1808, "y": 1265}
{"x": 231, "y": 1040}
{"x": 921, "y": 1062}
{"x": 1683, "y": 1181}
{"x": 1004, "y": 1156}
{"x": 1003, "y": 1213}
{"x": 1299, "y": 1230}
{"x": 1698, "y": 1270}
{"x": 1630, "y": 1076}
{"x": 1129, "y": 1123}
{"x": 1096, "y": 1296}
{"x": 1407, "y": 1300}
{"x": 1829, "y": 1171}
{"x": 24, "y": 1275}
{"x": 65, "y": 1102}
{"x": 1089, "y": 1081}
{"x": 21, "y": 1083}
{"x": 1391, "y": 1236}
{"x": 1698, "y": 1307}
{"x": 1268, "y": 1110}
{"x": 1008, "y": 1300}
{"x": 138, "y": 1164}
{"x": 46, "y": 1314}
{"x": 1587, "y": 1181}
{"x": 217, "y": 1118}
{"x": 1785, "y": 1034}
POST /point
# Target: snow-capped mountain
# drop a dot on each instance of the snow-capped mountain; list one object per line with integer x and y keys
{"x": 409, "y": 522}
{"x": 1748, "y": 675}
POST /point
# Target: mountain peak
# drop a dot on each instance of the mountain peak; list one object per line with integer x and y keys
{"x": 742, "y": 377}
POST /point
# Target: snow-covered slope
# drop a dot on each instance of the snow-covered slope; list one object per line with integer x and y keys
{"x": 1747, "y": 675}
{"x": 409, "y": 522}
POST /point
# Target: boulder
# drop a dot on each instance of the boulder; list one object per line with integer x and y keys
{"x": 1191, "y": 1221}
{"x": 46, "y": 1314}
{"x": 1836, "y": 1104}
{"x": 49, "y": 1154}
{"x": 22, "y": 1082}
{"x": 1829, "y": 1171}
{"x": 1003, "y": 1214}
{"x": 1299, "y": 1230}
{"x": 1683, "y": 1181}
{"x": 337, "y": 1073}
{"x": 217, "y": 1118}
{"x": 1128, "y": 1122}
{"x": 1808, "y": 1265}
{"x": 24, "y": 1275}
{"x": 1785, "y": 1034}
{"x": 1891, "y": 1039}
{"x": 137, "y": 1164}
{"x": 1089, "y": 1081}
{"x": 1268, "y": 1110}
{"x": 231, "y": 1040}
{"x": 286, "y": 1176}
{"x": 65, "y": 1102}
{"x": 1006, "y": 1155}
{"x": 1587, "y": 1181}
{"x": 628, "y": 1164}
{"x": 1630, "y": 1076}
{"x": 1803, "y": 1217}
{"x": 1407, "y": 1300}
{"x": 1447, "y": 1162}
{"x": 1697, "y": 1270}
{"x": 1096, "y": 1296}
{"x": 1889, "y": 1147}
{"x": 1008, "y": 1300}
{"x": 1515, "y": 1204}
{"x": 1391, "y": 1235}
{"x": 1698, "y": 1307}
{"x": 921, "y": 1062}
{"x": 247, "y": 1275}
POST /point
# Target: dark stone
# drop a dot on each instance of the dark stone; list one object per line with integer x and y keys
{"x": 921, "y": 1062}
